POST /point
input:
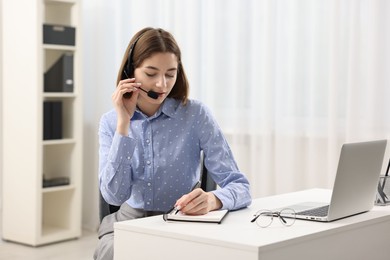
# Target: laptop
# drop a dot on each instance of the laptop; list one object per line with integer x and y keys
{"x": 355, "y": 184}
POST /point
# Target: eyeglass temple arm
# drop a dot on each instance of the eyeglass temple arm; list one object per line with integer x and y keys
{"x": 272, "y": 214}
{"x": 282, "y": 218}
{"x": 254, "y": 219}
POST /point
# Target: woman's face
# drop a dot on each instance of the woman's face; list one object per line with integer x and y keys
{"x": 157, "y": 73}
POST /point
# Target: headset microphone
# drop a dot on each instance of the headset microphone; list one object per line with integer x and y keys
{"x": 150, "y": 93}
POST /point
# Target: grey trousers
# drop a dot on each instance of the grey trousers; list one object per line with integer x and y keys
{"x": 105, "y": 247}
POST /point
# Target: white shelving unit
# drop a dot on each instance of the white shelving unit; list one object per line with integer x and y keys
{"x": 32, "y": 214}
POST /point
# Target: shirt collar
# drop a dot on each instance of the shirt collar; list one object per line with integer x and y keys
{"x": 168, "y": 107}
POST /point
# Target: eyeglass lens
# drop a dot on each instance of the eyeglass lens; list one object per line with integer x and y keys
{"x": 287, "y": 217}
{"x": 264, "y": 218}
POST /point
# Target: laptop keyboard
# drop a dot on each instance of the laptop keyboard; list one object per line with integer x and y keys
{"x": 318, "y": 212}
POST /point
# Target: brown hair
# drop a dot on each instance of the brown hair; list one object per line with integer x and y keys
{"x": 149, "y": 41}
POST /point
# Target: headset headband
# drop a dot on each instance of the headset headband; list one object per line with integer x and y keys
{"x": 129, "y": 67}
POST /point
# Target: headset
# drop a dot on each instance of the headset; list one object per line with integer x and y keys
{"x": 129, "y": 69}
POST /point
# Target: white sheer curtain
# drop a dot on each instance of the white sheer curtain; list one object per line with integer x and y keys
{"x": 289, "y": 81}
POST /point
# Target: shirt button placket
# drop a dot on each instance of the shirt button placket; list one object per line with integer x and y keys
{"x": 149, "y": 168}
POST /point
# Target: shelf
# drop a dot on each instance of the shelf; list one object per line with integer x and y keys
{"x": 54, "y": 212}
{"x": 60, "y": 12}
{"x": 59, "y": 161}
{"x": 59, "y": 47}
{"x": 59, "y": 141}
{"x": 58, "y": 213}
{"x": 58, "y": 188}
{"x": 60, "y": 1}
{"x": 51, "y": 234}
{"x": 59, "y": 95}
{"x": 68, "y": 120}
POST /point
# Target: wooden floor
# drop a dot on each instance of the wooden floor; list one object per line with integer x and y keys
{"x": 77, "y": 249}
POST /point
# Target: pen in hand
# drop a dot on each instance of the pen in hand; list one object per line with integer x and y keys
{"x": 196, "y": 185}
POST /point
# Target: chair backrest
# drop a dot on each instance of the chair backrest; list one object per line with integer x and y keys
{"x": 207, "y": 184}
{"x": 105, "y": 208}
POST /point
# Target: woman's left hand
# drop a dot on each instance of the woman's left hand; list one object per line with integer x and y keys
{"x": 198, "y": 202}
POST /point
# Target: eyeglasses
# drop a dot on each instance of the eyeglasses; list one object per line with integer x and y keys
{"x": 264, "y": 217}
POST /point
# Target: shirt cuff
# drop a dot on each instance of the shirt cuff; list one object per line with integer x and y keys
{"x": 226, "y": 204}
{"x": 122, "y": 149}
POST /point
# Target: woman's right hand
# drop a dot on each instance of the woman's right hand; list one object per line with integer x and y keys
{"x": 125, "y": 107}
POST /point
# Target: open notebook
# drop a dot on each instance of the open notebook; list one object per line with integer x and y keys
{"x": 211, "y": 217}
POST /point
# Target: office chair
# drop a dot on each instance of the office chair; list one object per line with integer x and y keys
{"x": 207, "y": 184}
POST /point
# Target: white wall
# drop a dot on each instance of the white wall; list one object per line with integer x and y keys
{"x": 1, "y": 106}
{"x": 99, "y": 82}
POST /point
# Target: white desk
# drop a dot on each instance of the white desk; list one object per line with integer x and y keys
{"x": 364, "y": 236}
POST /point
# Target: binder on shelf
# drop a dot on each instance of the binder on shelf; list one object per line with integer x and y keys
{"x": 56, "y": 120}
{"x": 59, "y": 77}
{"x": 52, "y": 120}
{"x": 59, "y": 34}
{"x": 46, "y": 120}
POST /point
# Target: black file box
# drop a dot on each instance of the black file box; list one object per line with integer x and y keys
{"x": 52, "y": 182}
{"x": 52, "y": 120}
{"x": 59, "y": 34}
{"x": 59, "y": 77}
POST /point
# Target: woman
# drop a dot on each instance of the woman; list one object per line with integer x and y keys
{"x": 150, "y": 143}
